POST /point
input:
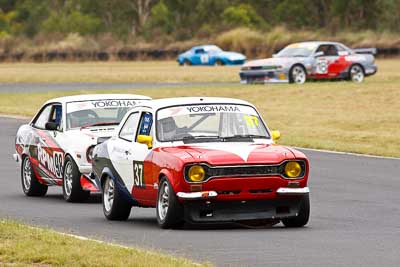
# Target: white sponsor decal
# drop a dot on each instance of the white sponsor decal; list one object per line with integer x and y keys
{"x": 322, "y": 66}
{"x": 243, "y": 151}
{"x": 53, "y": 162}
{"x": 199, "y": 109}
{"x": 93, "y": 104}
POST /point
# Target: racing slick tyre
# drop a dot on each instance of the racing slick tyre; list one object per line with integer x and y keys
{"x": 302, "y": 218}
{"x": 218, "y": 62}
{"x": 30, "y": 184}
{"x": 356, "y": 73}
{"x": 72, "y": 189}
{"x": 115, "y": 208}
{"x": 297, "y": 74}
{"x": 169, "y": 210}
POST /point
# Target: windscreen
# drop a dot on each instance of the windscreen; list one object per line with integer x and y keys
{"x": 209, "y": 122}
{"x": 297, "y": 50}
{"x": 90, "y": 113}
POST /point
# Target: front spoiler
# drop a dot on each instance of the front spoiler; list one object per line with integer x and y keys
{"x": 232, "y": 211}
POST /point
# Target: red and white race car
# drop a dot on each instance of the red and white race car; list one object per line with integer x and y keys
{"x": 311, "y": 60}
{"x": 55, "y": 147}
{"x": 201, "y": 160}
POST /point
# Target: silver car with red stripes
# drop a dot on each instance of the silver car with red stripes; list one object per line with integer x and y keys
{"x": 55, "y": 147}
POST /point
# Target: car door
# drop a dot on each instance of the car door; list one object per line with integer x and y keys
{"x": 122, "y": 146}
{"x": 143, "y": 183}
{"x": 46, "y": 155}
{"x": 326, "y": 64}
{"x": 201, "y": 57}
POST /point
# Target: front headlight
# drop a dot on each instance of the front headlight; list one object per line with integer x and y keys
{"x": 293, "y": 169}
{"x": 245, "y": 68}
{"x": 196, "y": 173}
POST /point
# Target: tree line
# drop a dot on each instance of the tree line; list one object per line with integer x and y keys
{"x": 179, "y": 20}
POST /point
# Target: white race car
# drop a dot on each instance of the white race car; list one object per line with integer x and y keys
{"x": 55, "y": 147}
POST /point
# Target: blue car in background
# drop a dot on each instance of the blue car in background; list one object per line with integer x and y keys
{"x": 210, "y": 55}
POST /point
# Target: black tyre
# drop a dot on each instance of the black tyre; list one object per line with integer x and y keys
{"x": 219, "y": 62}
{"x": 72, "y": 189}
{"x": 297, "y": 74}
{"x": 186, "y": 62}
{"x": 30, "y": 184}
{"x": 114, "y": 206}
{"x": 169, "y": 210}
{"x": 302, "y": 218}
{"x": 356, "y": 73}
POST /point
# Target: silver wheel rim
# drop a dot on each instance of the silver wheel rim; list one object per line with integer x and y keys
{"x": 299, "y": 75}
{"x": 68, "y": 178}
{"x": 27, "y": 175}
{"x": 163, "y": 201}
{"x": 108, "y": 195}
{"x": 357, "y": 74}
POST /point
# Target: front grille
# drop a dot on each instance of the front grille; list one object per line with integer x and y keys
{"x": 259, "y": 170}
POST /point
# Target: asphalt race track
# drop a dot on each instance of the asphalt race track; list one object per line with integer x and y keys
{"x": 76, "y": 86}
{"x": 355, "y": 218}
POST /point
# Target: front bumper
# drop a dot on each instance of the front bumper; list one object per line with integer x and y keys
{"x": 263, "y": 76}
{"x": 203, "y": 207}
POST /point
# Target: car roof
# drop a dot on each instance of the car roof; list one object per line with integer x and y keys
{"x": 181, "y": 101}
{"x": 318, "y": 43}
{"x": 205, "y": 47}
{"x": 85, "y": 97}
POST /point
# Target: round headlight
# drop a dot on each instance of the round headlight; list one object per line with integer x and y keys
{"x": 196, "y": 173}
{"x": 293, "y": 169}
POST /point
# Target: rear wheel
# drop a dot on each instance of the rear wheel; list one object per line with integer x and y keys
{"x": 169, "y": 210}
{"x": 114, "y": 206}
{"x": 72, "y": 189}
{"x": 302, "y": 217}
{"x": 219, "y": 62}
{"x": 30, "y": 184}
{"x": 297, "y": 74}
{"x": 356, "y": 73}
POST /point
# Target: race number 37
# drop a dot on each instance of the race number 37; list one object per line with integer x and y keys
{"x": 138, "y": 173}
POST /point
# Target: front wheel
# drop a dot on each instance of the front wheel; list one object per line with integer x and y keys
{"x": 356, "y": 73}
{"x": 297, "y": 74}
{"x": 114, "y": 206}
{"x": 30, "y": 184}
{"x": 169, "y": 210}
{"x": 72, "y": 189}
{"x": 302, "y": 217}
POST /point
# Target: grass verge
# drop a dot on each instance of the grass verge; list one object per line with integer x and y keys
{"x": 21, "y": 245}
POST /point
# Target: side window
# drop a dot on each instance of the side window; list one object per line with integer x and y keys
{"x": 329, "y": 50}
{"x": 56, "y": 115}
{"x": 43, "y": 118}
{"x": 199, "y": 51}
{"x": 146, "y": 121}
{"x": 128, "y": 131}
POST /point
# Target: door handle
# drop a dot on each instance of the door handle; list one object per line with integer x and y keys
{"x": 128, "y": 152}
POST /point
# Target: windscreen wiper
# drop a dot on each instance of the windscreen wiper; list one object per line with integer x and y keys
{"x": 243, "y": 137}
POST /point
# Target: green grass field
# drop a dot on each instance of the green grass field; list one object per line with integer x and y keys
{"x": 21, "y": 245}
{"x": 342, "y": 116}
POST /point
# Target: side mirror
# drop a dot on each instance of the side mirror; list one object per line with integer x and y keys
{"x": 51, "y": 126}
{"x": 319, "y": 54}
{"x": 275, "y": 135}
{"x": 146, "y": 140}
